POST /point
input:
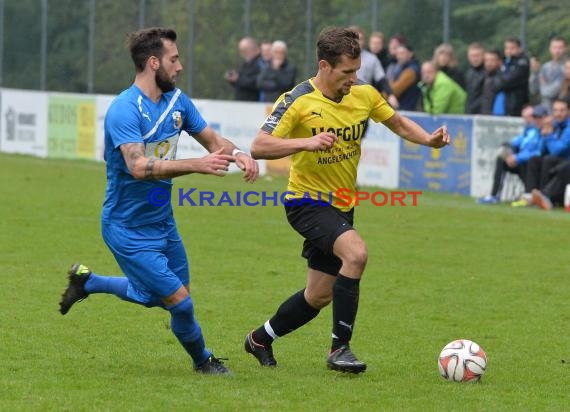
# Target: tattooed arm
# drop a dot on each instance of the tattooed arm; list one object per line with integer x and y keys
{"x": 145, "y": 168}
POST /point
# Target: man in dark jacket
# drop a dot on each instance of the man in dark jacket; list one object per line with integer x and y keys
{"x": 278, "y": 76}
{"x": 244, "y": 80}
{"x": 513, "y": 80}
{"x": 492, "y": 64}
{"x": 474, "y": 78}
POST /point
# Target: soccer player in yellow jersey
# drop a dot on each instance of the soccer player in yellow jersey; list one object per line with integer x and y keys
{"x": 321, "y": 123}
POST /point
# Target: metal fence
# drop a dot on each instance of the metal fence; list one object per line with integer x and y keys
{"x": 78, "y": 45}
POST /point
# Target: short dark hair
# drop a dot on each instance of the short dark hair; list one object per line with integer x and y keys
{"x": 475, "y": 45}
{"x": 558, "y": 38}
{"x": 513, "y": 40}
{"x": 558, "y": 99}
{"x": 496, "y": 52}
{"x": 146, "y": 43}
{"x": 335, "y": 42}
{"x": 399, "y": 38}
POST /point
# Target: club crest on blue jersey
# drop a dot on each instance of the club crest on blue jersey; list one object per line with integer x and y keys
{"x": 177, "y": 117}
{"x": 161, "y": 149}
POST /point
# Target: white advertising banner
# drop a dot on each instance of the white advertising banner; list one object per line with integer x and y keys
{"x": 64, "y": 125}
{"x": 380, "y": 158}
{"x": 488, "y": 134}
{"x": 24, "y": 122}
{"x": 237, "y": 121}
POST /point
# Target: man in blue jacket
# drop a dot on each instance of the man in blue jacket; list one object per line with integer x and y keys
{"x": 556, "y": 148}
{"x": 514, "y": 156}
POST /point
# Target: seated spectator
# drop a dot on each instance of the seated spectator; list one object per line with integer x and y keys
{"x": 492, "y": 63}
{"x": 441, "y": 95}
{"x": 244, "y": 79}
{"x": 552, "y": 194}
{"x": 555, "y": 149}
{"x": 514, "y": 155}
{"x": 474, "y": 78}
{"x": 279, "y": 76}
{"x": 444, "y": 59}
{"x": 406, "y": 75}
{"x": 565, "y": 88}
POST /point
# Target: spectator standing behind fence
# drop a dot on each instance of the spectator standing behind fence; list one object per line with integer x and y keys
{"x": 279, "y": 76}
{"x": 513, "y": 156}
{"x": 533, "y": 89}
{"x": 265, "y": 49}
{"x": 565, "y": 88}
{"x": 548, "y": 80}
{"x": 445, "y": 59}
{"x": 244, "y": 80}
{"x": 513, "y": 80}
{"x": 371, "y": 70}
{"x": 406, "y": 75}
{"x": 492, "y": 62}
{"x": 395, "y": 42}
{"x": 474, "y": 78}
{"x": 441, "y": 94}
{"x": 376, "y": 47}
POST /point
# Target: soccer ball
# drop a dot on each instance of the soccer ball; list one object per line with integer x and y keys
{"x": 462, "y": 361}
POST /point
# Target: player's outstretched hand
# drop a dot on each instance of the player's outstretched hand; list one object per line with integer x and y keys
{"x": 216, "y": 163}
{"x": 439, "y": 138}
{"x": 249, "y": 166}
{"x": 321, "y": 141}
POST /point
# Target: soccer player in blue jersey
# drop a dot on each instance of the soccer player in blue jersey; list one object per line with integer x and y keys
{"x": 142, "y": 128}
{"x": 321, "y": 123}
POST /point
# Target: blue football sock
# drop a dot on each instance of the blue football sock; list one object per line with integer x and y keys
{"x": 187, "y": 330}
{"x": 107, "y": 284}
{"x": 117, "y": 286}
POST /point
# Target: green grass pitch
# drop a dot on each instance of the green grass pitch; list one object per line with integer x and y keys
{"x": 443, "y": 270}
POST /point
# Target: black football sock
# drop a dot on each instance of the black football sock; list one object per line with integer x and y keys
{"x": 345, "y": 305}
{"x": 291, "y": 315}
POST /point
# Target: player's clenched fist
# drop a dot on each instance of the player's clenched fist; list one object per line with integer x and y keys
{"x": 439, "y": 138}
{"x": 321, "y": 141}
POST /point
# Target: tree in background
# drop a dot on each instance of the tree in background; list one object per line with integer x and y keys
{"x": 219, "y": 24}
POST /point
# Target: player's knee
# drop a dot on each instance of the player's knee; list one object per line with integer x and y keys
{"x": 319, "y": 300}
{"x": 357, "y": 257}
{"x": 182, "y": 308}
{"x": 180, "y": 295}
{"x": 182, "y": 321}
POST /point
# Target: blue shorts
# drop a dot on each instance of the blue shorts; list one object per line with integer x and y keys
{"x": 151, "y": 256}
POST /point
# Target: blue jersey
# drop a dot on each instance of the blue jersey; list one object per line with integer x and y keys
{"x": 528, "y": 144}
{"x": 134, "y": 118}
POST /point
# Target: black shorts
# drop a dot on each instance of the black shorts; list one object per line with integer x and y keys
{"x": 320, "y": 226}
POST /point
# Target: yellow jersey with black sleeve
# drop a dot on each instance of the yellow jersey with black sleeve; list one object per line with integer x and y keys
{"x": 304, "y": 112}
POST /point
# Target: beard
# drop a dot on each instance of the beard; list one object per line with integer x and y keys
{"x": 163, "y": 82}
